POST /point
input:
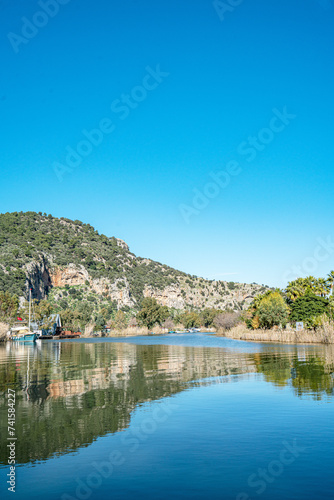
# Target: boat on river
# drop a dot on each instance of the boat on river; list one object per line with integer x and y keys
{"x": 23, "y": 333}
{"x": 56, "y": 331}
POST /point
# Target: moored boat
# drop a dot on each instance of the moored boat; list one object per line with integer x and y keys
{"x": 22, "y": 333}
{"x": 24, "y": 336}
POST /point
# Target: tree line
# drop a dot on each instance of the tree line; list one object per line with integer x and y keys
{"x": 309, "y": 300}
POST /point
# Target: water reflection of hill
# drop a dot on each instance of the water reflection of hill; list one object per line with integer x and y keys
{"x": 68, "y": 394}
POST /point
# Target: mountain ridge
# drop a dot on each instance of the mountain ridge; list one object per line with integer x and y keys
{"x": 67, "y": 261}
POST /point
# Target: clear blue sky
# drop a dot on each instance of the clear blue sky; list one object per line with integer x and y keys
{"x": 225, "y": 78}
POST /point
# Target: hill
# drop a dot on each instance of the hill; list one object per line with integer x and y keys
{"x": 70, "y": 263}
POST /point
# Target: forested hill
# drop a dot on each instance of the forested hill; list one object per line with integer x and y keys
{"x": 66, "y": 261}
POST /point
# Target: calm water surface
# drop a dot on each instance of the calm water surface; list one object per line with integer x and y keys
{"x": 178, "y": 416}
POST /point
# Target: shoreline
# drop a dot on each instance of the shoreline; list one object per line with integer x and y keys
{"x": 239, "y": 332}
{"x": 127, "y": 332}
{"x": 278, "y": 336}
{"x": 141, "y": 331}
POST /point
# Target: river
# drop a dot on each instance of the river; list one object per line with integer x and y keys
{"x": 177, "y": 416}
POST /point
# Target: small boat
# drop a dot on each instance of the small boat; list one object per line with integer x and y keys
{"x": 22, "y": 333}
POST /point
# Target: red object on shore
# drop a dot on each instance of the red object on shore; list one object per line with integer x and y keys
{"x": 69, "y": 334}
{"x": 20, "y": 319}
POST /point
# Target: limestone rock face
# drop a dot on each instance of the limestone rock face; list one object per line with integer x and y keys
{"x": 43, "y": 276}
{"x": 122, "y": 296}
{"x": 103, "y": 286}
{"x": 170, "y": 296}
{"x": 210, "y": 294}
{"x": 77, "y": 275}
{"x": 38, "y": 278}
{"x": 70, "y": 275}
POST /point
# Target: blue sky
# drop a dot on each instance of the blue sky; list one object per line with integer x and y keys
{"x": 202, "y": 90}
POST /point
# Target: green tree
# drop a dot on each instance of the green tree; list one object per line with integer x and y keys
{"x": 8, "y": 305}
{"x": 302, "y": 286}
{"x": 120, "y": 320}
{"x": 322, "y": 287}
{"x": 99, "y": 322}
{"x": 152, "y": 313}
{"x": 190, "y": 319}
{"x": 208, "y": 315}
{"x": 296, "y": 288}
{"x": 71, "y": 319}
{"x": 42, "y": 312}
{"x": 330, "y": 281}
{"x": 308, "y": 307}
{"x": 273, "y": 310}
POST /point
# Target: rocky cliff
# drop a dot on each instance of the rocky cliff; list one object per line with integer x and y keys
{"x": 68, "y": 261}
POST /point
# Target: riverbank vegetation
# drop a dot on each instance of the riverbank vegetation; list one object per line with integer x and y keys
{"x": 110, "y": 321}
{"x": 271, "y": 316}
{"x": 324, "y": 334}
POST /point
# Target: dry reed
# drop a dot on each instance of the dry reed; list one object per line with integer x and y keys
{"x": 322, "y": 335}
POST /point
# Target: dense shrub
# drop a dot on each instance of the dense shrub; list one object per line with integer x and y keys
{"x": 273, "y": 310}
{"x": 307, "y": 307}
{"x": 151, "y": 313}
{"x": 208, "y": 316}
{"x": 8, "y": 305}
{"x": 190, "y": 319}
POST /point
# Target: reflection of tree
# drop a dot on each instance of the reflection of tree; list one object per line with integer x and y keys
{"x": 67, "y": 422}
{"x": 309, "y": 376}
{"x": 313, "y": 377}
{"x": 69, "y": 394}
{"x": 275, "y": 367}
{"x": 67, "y": 398}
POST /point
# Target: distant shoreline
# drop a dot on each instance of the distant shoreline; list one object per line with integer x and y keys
{"x": 142, "y": 331}
{"x": 127, "y": 332}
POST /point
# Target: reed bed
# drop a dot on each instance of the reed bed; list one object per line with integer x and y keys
{"x": 129, "y": 332}
{"x": 4, "y": 327}
{"x": 322, "y": 335}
